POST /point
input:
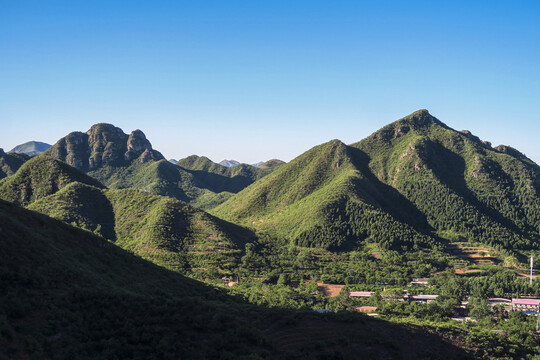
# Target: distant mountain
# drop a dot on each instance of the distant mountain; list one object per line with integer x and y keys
{"x": 173, "y": 161}
{"x": 122, "y": 161}
{"x": 31, "y": 148}
{"x": 229, "y": 163}
{"x": 411, "y": 183}
{"x": 270, "y": 164}
{"x": 10, "y": 163}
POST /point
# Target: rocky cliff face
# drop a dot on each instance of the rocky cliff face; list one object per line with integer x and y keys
{"x": 103, "y": 145}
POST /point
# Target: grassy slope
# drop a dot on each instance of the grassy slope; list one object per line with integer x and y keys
{"x": 221, "y": 178}
{"x": 70, "y": 294}
{"x": 322, "y": 198}
{"x": 199, "y": 182}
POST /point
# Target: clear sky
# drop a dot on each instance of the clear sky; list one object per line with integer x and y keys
{"x": 255, "y": 80}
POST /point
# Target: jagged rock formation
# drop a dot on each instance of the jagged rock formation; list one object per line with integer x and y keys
{"x": 121, "y": 161}
{"x": 103, "y": 145}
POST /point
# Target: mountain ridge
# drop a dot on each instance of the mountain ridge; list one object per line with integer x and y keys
{"x": 415, "y": 165}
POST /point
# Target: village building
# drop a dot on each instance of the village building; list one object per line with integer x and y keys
{"x": 363, "y": 295}
{"x": 526, "y": 305}
{"x": 507, "y": 303}
{"x": 422, "y": 298}
{"x": 419, "y": 282}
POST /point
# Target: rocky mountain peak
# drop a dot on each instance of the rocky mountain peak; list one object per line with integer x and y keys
{"x": 103, "y": 144}
{"x": 419, "y": 119}
{"x": 137, "y": 143}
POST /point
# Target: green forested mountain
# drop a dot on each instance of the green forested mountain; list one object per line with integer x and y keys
{"x": 323, "y": 198}
{"x": 40, "y": 177}
{"x": 413, "y": 182}
{"x": 463, "y": 186}
{"x": 11, "y": 162}
{"x": 164, "y": 230}
{"x": 122, "y": 161}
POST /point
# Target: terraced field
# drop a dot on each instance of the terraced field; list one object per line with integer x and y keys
{"x": 472, "y": 254}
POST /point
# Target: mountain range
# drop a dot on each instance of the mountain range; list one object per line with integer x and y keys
{"x": 31, "y": 148}
{"x": 119, "y": 161}
{"x": 98, "y": 231}
{"x": 415, "y": 182}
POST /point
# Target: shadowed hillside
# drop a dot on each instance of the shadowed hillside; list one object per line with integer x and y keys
{"x": 11, "y": 162}
{"x": 70, "y": 294}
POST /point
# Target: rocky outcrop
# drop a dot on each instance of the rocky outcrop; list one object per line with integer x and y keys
{"x": 103, "y": 145}
{"x": 137, "y": 144}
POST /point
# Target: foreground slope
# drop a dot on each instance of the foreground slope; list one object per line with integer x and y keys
{"x": 70, "y": 294}
{"x": 412, "y": 182}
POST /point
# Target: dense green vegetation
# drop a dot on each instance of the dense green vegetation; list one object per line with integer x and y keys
{"x": 321, "y": 199}
{"x": 10, "y": 163}
{"x": 410, "y": 185}
{"x": 459, "y": 184}
{"x": 39, "y": 177}
{"x": 70, "y": 294}
{"x": 167, "y": 231}
{"x": 415, "y": 199}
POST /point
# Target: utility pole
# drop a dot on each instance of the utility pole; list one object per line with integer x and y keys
{"x": 532, "y": 262}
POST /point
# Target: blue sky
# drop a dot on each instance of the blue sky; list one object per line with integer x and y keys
{"x": 255, "y": 80}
